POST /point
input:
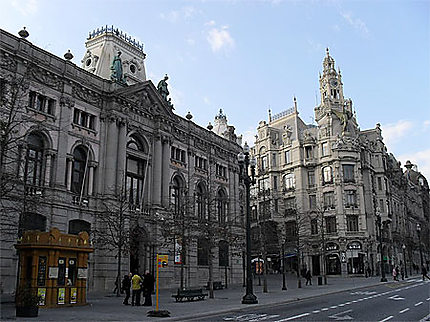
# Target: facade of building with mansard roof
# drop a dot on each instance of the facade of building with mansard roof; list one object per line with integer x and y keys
{"x": 99, "y": 148}
{"x": 320, "y": 188}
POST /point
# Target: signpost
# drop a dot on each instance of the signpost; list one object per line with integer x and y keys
{"x": 162, "y": 262}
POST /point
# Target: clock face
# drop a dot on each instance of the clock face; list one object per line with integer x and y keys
{"x": 333, "y": 82}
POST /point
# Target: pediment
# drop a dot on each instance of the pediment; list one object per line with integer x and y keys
{"x": 144, "y": 97}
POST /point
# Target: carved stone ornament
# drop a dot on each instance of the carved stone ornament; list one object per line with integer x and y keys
{"x": 86, "y": 95}
{"x": 346, "y": 143}
{"x": 7, "y": 62}
{"x": 46, "y": 78}
{"x": 67, "y": 101}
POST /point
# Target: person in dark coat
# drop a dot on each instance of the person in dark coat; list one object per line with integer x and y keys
{"x": 424, "y": 273}
{"x": 148, "y": 288}
{"x": 125, "y": 287}
{"x": 308, "y": 277}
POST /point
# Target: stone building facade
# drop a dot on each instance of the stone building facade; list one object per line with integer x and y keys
{"x": 88, "y": 142}
{"x": 321, "y": 186}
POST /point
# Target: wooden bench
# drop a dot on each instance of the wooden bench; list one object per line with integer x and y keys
{"x": 216, "y": 285}
{"x": 190, "y": 295}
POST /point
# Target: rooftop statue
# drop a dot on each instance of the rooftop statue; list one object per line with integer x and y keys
{"x": 116, "y": 69}
{"x": 162, "y": 87}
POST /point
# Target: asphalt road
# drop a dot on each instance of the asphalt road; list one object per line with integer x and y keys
{"x": 392, "y": 301}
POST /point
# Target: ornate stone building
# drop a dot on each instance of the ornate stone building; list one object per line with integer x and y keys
{"x": 99, "y": 148}
{"x": 320, "y": 188}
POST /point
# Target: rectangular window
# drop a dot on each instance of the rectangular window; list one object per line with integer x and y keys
{"x": 289, "y": 181}
{"x": 314, "y": 226}
{"x": 350, "y": 198}
{"x": 290, "y": 203}
{"x": 275, "y": 183}
{"x": 311, "y": 179}
{"x": 348, "y": 173}
{"x": 329, "y": 200}
{"x": 352, "y": 223}
{"x": 288, "y": 156}
{"x": 309, "y": 154}
{"x": 312, "y": 202}
{"x": 324, "y": 149}
{"x": 330, "y": 224}
{"x": 263, "y": 184}
{"x": 264, "y": 163}
{"x": 379, "y": 183}
{"x": 327, "y": 175}
{"x": 275, "y": 203}
{"x": 382, "y": 205}
{"x": 84, "y": 119}
{"x": 290, "y": 230}
{"x": 274, "y": 160}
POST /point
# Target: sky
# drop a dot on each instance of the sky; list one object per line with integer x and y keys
{"x": 247, "y": 57}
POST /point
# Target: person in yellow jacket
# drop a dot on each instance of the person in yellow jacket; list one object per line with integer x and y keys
{"x": 136, "y": 280}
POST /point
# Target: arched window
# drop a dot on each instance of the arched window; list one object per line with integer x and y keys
{"x": 201, "y": 202}
{"x": 80, "y": 163}
{"x": 327, "y": 175}
{"x": 34, "y": 160}
{"x": 176, "y": 195}
{"x": 78, "y": 225}
{"x": 31, "y": 221}
{"x": 223, "y": 253}
{"x": 136, "y": 168}
{"x": 222, "y": 206}
{"x": 202, "y": 251}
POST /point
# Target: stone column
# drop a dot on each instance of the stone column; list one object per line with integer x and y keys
{"x": 111, "y": 156}
{"x": 91, "y": 179}
{"x": 122, "y": 150}
{"x": 48, "y": 169}
{"x": 157, "y": 171}
{"x": 166, "y": 173}
{"x": 69, "y": 162}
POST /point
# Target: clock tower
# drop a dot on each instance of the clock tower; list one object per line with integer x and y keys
{"x": 334, "y": 112}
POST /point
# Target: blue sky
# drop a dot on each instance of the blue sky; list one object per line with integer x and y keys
{"x": 248, "y": 56}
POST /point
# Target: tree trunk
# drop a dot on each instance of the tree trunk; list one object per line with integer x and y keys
{"x": 211, "y": 285}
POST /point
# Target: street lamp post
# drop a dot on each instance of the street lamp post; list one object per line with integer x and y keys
{"x": 404, "y": 260}
{"x": 244, "y": 163}
{"x": 419, "y": 242}
{"x": 379, "y": 223}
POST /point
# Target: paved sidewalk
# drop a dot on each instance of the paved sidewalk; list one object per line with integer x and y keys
{"x": 110, "y": 308}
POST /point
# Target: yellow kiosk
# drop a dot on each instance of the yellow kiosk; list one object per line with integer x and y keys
{"x": 56, "y": 265}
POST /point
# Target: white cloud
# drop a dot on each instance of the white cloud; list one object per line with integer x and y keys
{"x": 220, "y": 39}
{"x": 421, "y": 159}
{"x": 183, "y": 13}
{"x": 393, "y": 132}
{"x": 27, "y": 7}
{"x": 210, "y": 23}
{"x": 315, "y": 46}
{"x": 426, "y": 124}
{"x": 356, "y": 23}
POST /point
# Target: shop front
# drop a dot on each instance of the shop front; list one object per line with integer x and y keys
{"x": 332, "y": 259}
{"x": 356, "y": 258}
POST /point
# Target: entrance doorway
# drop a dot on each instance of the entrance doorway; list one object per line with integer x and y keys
{"x": 333, "y": 264}
{"x": 316, "y": 265}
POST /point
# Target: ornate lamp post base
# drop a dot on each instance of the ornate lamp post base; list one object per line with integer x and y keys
{"x": 383, "y": 279}
{"x": 249, "y": 299}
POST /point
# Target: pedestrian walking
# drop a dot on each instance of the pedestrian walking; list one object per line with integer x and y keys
{"x": 136, "y": 280}
{"x": 397, "y": 272}
{"x": 308, "y": 277}
{"x": 125, "y": 287}
{"x": 402, "y": 272}
{"x": 148, "y": 288}
{"x": 394, "y": 274}
{"x": 424, "y": 272}
{"x": 369, "y": 271}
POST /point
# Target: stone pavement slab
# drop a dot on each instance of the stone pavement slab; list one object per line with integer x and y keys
{"x": 110, "y": 308}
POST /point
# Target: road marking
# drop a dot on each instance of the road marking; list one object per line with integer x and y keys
{"x": 294, "y": 317}
{"x": 403, "y": 311}
{"x": 428, "y": 299}
{"x": 419, "y": 303}
{"x": 333, "y": 307}
{"x": 347, "y": 303}
{"x": 342, "y": 304}
{"x": 396, "y": 298}
{"x": 386, "y": 319}
{"x": 316, "y": 311}
{"x": 324, "y": 309}
{"x": 341, "y": 316}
